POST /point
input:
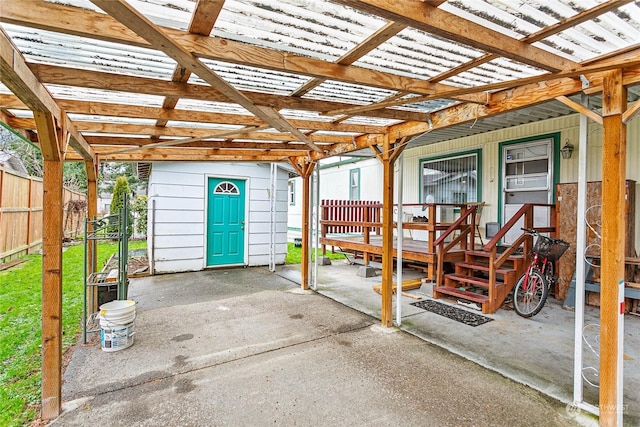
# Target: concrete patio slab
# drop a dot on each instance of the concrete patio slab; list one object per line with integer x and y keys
{"x": 537, "y": 352}
{"x": 248, "y": 347}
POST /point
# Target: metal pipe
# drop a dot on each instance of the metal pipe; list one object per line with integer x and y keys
{"x": 400, "y": 218}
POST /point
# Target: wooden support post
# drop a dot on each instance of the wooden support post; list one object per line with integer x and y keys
{"x": 306, "y": 200}
{"x": 387, "y": 241}
{"x": 92, "y": 211}
{"x": 52, "y": 290}
{"x": 305, "y": 169}
{"x": 614, "y": 101}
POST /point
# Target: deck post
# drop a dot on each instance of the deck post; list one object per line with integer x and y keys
{"x": 614, "y": 101}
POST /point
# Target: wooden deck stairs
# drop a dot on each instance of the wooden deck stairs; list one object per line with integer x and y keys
{"x": 472, "y": 280}
{"x": 488, "y": 275}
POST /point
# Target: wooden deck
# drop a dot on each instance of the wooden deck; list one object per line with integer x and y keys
{"x": 412, "y": 250}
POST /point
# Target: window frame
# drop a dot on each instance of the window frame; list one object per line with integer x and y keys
{"x": 450, "y": 156}
{"x": 291, "y": 191}
{"x": 352, "y": 172}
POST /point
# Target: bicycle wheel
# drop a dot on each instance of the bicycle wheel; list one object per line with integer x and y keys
{"x": 530, "y": 295}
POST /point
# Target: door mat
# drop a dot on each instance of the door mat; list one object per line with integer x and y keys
{"x": 455, "y": 313}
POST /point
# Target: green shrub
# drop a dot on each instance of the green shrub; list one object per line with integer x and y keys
{"x": 120, "y": 190}
{"x": 140, "y": 209}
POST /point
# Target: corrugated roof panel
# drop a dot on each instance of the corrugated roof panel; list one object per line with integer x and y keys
{"x": 111, "y": 119}
{"x": 321, "y": 29}
{"x": 218, "y": 107}
{"x": 305, "y": 115}
{"x": 98, "y": 95}
{"x": 200, "y": 125}
{"x": 417, "y": 54}
{"x": 47, "y": 47}
{"x": 590, "y": 39}
{"x": 331, "y": 90}
{"x": 254, "y": 79}
{"x": 373, "y": 121}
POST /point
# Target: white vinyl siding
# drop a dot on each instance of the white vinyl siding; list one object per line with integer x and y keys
{"x": 179, "y": 190}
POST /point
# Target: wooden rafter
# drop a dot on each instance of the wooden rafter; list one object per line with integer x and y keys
{"x": 117, "y": 82}
{"x": 194, "y": 134}
{"x": 581, "y": 70}
{"x": 580, "y": 108}
{"x": 387, "y": 31}
{"x": 139, "y": 112}
{"x": 95, "y": 25}
{"x": 559, "y": 26}
{"x": 204, "y": 17}
{"x": 142, "y": 26}
{"x": 433, "y": 20}
{"x": 20, "y": 80}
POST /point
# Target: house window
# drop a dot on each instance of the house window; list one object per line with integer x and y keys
{"x": 451, "y": 180}
{"x": 292, "y": 193}
{"x": 354, "y": 184}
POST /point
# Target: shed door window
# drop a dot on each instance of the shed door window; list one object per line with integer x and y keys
{"x": 226, "y": 187}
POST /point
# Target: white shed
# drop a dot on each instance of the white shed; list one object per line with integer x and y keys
{"x": 212, "y": 214}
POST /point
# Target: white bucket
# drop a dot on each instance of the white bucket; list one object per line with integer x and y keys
{"x": 117, "y": 308}
{"x": 117, "y": 337}
{"x": 116, "y": 322}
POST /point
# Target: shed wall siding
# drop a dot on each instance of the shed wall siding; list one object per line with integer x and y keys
{"x": 179, "y": 192}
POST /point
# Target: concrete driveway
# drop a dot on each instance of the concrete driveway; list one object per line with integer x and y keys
{"x": 245, "y": 347}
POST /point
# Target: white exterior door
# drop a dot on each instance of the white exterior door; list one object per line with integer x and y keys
{"x": 527, "y": 177}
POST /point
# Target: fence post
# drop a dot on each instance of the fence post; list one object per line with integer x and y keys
{"x": 29, "y": 206}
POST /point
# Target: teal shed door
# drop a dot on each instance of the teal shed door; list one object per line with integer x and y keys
{"x": 225, "y": 221}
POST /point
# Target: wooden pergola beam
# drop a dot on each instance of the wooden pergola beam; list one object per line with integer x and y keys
{"x": 203, "y": 19}
{"x": 118, "y": 82}
{"x": 197, "y": 116}
{"x": 383, "y": 34}
{"x": 436, "y": 21}
{"x": 95, "y": 25}
{"x": 193, "y": 134}
{"x": 208, "y": 156}
{"x": 488, "y": 88}
{"x": 131, "y": 18}
{"x": 17, "y": 76}
{"x": 559, "y": 26}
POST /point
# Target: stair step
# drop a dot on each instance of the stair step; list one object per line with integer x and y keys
{"x": 455, "y": 292}
{"x": 483, "y": 254}
{"x": 478, "y": 281}
{"x": 484, "y": 267}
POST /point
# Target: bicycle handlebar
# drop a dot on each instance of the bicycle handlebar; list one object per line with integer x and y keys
{"x": 535, "y": 233}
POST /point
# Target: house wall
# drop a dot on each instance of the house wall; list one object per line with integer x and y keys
{"x": 178, "y": 189}
{"x": 489, "y": 143}
{"x": 335, "y": 184}
{"x": 334, "y": 181}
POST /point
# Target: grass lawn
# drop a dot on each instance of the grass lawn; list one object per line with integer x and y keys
{"x": 20, "y": 327}
{"x": 294, "y": 254}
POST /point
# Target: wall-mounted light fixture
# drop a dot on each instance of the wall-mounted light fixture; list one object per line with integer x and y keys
{"x": 567, "y": 150}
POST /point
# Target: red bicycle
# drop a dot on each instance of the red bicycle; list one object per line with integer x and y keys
{"x": 532, "y": 288}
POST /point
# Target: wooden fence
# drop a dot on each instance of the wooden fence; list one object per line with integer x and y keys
{"x": 21, "y": 214}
